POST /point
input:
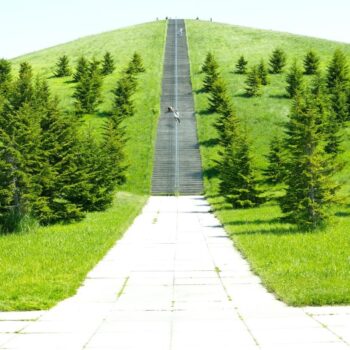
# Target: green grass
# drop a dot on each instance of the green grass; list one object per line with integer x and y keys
{"x": 40, "y": 268}
{"x": 45, "y": 265}
{"x": 301, "y": 268}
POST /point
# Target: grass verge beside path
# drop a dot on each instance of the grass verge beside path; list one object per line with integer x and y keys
{"x": 42, "y": 267}
{"x": 300, "y": 268}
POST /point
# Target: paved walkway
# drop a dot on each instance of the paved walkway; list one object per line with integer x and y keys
{"x": 175, "y": 282}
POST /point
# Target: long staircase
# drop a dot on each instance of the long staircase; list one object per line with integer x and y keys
{"x": 177, "y": 165}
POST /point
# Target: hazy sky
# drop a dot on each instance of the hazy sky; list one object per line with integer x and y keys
{"x": 29, "y": 25}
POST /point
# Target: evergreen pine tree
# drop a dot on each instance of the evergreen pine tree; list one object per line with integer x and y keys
{"x": 19, "y": 166}
{"x": 241, "y": 66}
{"x": 209, "y": 63}
{"x": 81, "y": 68}
{"x": 123, "y": 105}
{"x": 135, "y": 66}
{"x": 309, "y": 185}
{"x": 238, "y": 183}
{"x": 294, "y": 80}
{"x": 211, "y": 72}
{"x": 338, "y": 84}
{"x": 5, "y": 76}
{"x": 311, "y": 63}
{"x": 277, "y": 61}
{"x": 113, "y": 146}
{"x": 338, "y": 71}
{"x": 339, "y": 103}
{"x": 23, "y": 90}
{"x": 108, "y": 64}
{"x": 87, "y": 93}
{"x": 274, "y": 173}
{"x": 227, "y": 127}
{"x": 219, "y": 101}
{"x": 253, "y": 82}
{"x": 263, "y": 73}
{"x": 63, "y": 180}
{"x": 62, "y": 67}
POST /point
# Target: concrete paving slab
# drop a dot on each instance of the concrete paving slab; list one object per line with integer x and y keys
{"x": 4, "y": 338}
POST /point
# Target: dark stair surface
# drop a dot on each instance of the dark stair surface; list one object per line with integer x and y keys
{"x": 177, "y": 164}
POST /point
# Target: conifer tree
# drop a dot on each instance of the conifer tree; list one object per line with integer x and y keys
{"x": 88, "y": 91}
{"x": 253, "y": 82}
{"x": 227, "y": 127}
{"x": 263, "y": 73}
{"x": 108, "y": 65}
{"x": 241, "y": 66}
{"x": 135, "y": 66}
{"x": 209, "y": 63}
{"x": 274, "y": 173}
{"x": 310, "y": 188}
{"x": 311, "y": 63}
{"x": 338, "y": 84}
{"x": 5, "y": 76}
{"x": 218, "y": 99}
{"x": 62, "y": 67}
{"x": 238, "y": 182}
{"x": 123, "y": 106}
{"x": 277, "y": 61}
{"x": 338, "y": 71}
{"x": 339, "y": 103}
{"x": 113, "y": 146}
{"x": 63, "y": 178}
{"x": 211, "y": 72}
{"x": 294, "y": 80}
{"x": 23, "y": 90}
{"x": 20, "y": 164}
{"x": 81, "y": 68}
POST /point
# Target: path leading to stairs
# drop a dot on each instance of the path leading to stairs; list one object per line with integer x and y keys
{"x": 177, "y": 162}
{"x": 175, "y": 282}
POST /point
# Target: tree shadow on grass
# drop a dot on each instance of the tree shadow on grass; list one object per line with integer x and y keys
{"x": 254, "y": 222}
{"x": 278, "y": 231}
{"x": 243, "y": 94}
{"x": 210, "y": 142}
{"x": 103, "y": 114}
{"x": 70, "y": 81}
{"x": 211, "y": 172}
{"x": 280, "y": 96}
{"x": 205, "y": 112}
{"x": 342, "y": 213}
{"x": 200, "y": 91}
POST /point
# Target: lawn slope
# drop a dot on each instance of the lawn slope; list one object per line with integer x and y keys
{"x": 43, "y": 266}
{"x": 301, "y": 268}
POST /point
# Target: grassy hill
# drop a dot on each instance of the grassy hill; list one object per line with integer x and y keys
{"x": 301, "y": 268}
{"x": 41, "y": 267}
{"x": 146, "y": 39}
{"x": 45, "y": 265}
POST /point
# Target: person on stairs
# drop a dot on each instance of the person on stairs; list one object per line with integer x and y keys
{"x": 175, "y": 113}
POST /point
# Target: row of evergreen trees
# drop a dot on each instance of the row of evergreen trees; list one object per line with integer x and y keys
{"x": 304, "y": 160}
{"x": 278, "y": 61}
{"x": 52, "y": 169}
{"x": 257, "y": 76}
{"x": 89, "y": 78}
{"x": 63, "y": 69}
{"x": 238, "y": 182}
